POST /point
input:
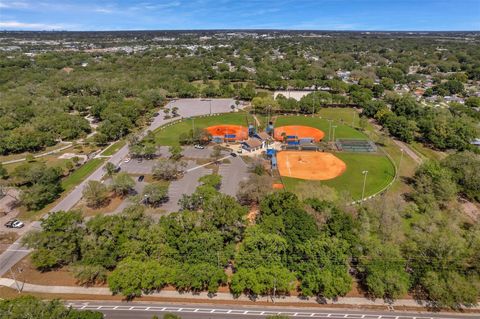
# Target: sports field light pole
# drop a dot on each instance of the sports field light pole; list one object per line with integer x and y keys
{"x": 329, "y": 130}
{"x": 400, "y": 161}
{"x": 365, "y": 173}
{"x": 334, "y": 127}
{"x": 210, "y": 106}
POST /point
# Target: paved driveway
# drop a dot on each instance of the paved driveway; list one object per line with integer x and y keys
{"x": 232, "y": 174}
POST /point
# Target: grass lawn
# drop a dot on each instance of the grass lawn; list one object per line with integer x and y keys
{"x": 112, "y": 149}
{"x": 169, "y": 135}
{"x": 380, "y": 173}
{"x": 341, "y": 115}
{"x": 80, "y": 174}
{"x": 341, "y": 131}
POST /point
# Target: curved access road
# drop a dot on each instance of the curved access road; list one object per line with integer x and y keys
{"x": 186, "y": 108}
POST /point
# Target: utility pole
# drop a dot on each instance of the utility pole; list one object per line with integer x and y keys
{"x": 329, "y": 130}
{"x": 365, "y": 173}
{"x": 400, "y": 161}
{"x": 193, "y": 126}
{"x": 353, "y": 119}
{"x": 334, "y": 127}
{"x": 210, "y": 106}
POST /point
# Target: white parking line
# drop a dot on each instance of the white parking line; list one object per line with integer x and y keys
{"x": 220, "y": 311}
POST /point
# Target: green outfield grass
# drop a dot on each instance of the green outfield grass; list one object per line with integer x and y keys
{"x": 169, "y": 135}
{"x": 341, "y": 115}
{"x": 341, "y": 131}
{"x": 380, "y": 173}
{"x": 112, "y": 149}
{"x": 80, "y": 174}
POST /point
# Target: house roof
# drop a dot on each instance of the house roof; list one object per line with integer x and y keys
{"x": 263, "y": 135}
{"x": 253, "y": 142}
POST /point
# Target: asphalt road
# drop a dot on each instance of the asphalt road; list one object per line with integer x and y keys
{"x": 117, "y": 310}
{"x": 186, "y": 108}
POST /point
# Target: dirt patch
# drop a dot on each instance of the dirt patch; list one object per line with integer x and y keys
{"x": 114, "y": 202}
{"x": 6, "y": 239}
{"x": 297, "y": 132}
{"x": 26, "y": 272}
{"x": 252, "y": 214}
{"x": 230, "y": 132}
{"x": 471, "y": 210}
{"x": 317, "y": 166}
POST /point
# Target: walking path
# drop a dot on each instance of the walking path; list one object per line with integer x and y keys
{"x": 40, "y": 155}
{"x": 221, "y": 296}
{"x": 408, "y": 150}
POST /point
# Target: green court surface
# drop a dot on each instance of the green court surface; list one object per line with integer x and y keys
{"x": 380, "y": 173}
{"x": 341, "y": 130}
{"x": 169, "y": 135}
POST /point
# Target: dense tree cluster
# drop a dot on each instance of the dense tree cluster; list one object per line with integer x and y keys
{"x": 32, "y": 307}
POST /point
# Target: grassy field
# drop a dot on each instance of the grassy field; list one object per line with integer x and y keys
{"x": 112, "y": 149}
{"x": 341, "y": 115}
{"x": 169, "y": 135}
{"x": 341, "y": 131}
{"x": 380, "y": 173}
{"x": 80, "y": 174}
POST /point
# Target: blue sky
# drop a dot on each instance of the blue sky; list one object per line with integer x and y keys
{"x": 405, "y": 15}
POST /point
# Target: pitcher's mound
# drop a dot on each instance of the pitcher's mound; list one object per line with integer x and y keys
{"x": 310, "y": 165}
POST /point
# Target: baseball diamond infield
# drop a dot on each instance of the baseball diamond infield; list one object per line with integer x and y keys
{"x": 233, "y": 132}
{"x": 299, "y": 132}
{"x": 317, "y": 166}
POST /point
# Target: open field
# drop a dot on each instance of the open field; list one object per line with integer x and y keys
{"x": 341, "y": 131}
{"x": 169, "y": 135}
{"x": 344, "y": 115}
{"x": 112, "y": 149}
{"x": 380, "y": 173}
{"x": 80, "y": 174}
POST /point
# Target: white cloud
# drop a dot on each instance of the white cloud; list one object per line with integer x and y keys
{"x": 30, "y": 26}
{"x": 14, "y": 5}
{"x": 103, "y": 10}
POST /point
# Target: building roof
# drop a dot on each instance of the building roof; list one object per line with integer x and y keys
{"x": 263, "y": 135}
{"x": 253, "y": 142}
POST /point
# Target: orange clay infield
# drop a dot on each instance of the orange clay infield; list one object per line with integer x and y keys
{"x": 299, "y": 131}
{"x": 316, "y": 166}
{"x": 240, "y": 132}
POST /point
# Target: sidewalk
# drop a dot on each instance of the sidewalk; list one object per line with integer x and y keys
{"x": 354, "y": 301}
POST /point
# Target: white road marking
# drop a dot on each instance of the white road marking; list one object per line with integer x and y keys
{"x": 219, "y": 311}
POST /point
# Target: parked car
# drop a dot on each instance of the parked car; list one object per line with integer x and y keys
{"x": 200, "y": 147}
{"x": 233, "y": 154}
{"x": 141, "y": 178}
{"x": 14, "y": 223}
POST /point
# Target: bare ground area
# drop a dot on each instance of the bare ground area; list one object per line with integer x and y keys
{"x": 470, "y": 209}
{"x": 6, "y": 239}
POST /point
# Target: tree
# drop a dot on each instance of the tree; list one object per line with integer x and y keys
{"x": 263, "y": 281}
{"x": 122, "y": 184}
{"x": 213, "y": 180}
{"x": 175, "y": 152}
{"x": 383, "y": 271}
{"x": 95, "y": 194}
{"x": 58, "y": 243}
{"x": 464, "y": 167}
{"x": 32, "y": 307}
{"x": 254, "y": 190}
{"x": 167, "y": 169}
{"x": 216, "y": 153}
{"x": 155, "y": 194}
{"x": 3, "y": 171}
{"x": 110, "y": 169}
